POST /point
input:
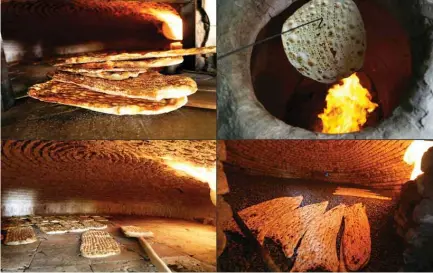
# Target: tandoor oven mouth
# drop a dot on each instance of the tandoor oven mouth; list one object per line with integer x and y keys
{"x": 298, "y": 101}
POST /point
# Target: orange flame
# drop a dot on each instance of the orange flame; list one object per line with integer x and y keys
{"x": 413, "y": 155}
{"x": 347, "y": 108}
{"x": 172, "y": 26}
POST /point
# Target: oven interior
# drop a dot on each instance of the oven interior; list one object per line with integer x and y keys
{"x": 373, "y": 173}
{"x": 166, "y": 187}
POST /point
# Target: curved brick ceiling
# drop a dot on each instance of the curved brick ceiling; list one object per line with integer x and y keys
{"x": 119, "y": 177}
{"x": 373, "y": 163}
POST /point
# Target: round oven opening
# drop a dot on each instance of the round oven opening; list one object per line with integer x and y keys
{"x": 298, "y": 100}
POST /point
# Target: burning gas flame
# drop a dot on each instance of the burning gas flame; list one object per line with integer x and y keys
{"x": 413, "y": 155}
{"x": 172, "y": 26}
{"x": 347, "y": 108}
{"x": 203, "y": 174}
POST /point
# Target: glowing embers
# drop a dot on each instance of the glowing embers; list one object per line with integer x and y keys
{"x": 172, "y": 26}
{"x": 348, "y": 106}
{"x": 362, "y": 193}
{"x": 413, "y": 155}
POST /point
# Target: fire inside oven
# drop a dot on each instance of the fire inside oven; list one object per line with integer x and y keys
{"x": 326, "y": 206}
{"x": 119, "y": 32}
{"x": 361, "y": 100}
{"x": 61, "y": 192}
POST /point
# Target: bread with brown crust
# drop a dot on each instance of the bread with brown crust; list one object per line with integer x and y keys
{"x": 71, "y": 94}
{"x": 150, "y": 85}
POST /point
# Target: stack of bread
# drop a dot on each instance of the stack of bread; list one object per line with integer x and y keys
{"x": 120, "y": 83}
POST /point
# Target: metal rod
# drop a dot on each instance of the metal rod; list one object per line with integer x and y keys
{"x": 269, "y": 38}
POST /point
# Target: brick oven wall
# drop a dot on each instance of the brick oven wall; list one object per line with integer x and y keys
{"x": 372, "y": 163}
{"x": 105, "y": 177}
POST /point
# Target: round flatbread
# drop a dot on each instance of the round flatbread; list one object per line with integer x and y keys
{"x": 330, "y": 50}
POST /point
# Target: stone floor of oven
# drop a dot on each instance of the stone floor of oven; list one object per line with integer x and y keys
{"x": 183, "y": 245}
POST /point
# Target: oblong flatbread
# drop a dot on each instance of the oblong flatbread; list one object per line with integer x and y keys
{"x": 98, "y": 244}
{"x": 289, "y": 228}
{"x": 331, "y": 51}
{"x": 256, "y": 217}
{"x": 356, "y": 240}
{"x": 149, "y": 85}
{"x": 123, "y": 56}
{"x": 71, "y": 94}
{"x": 122, "y": 65}
{"x": 318, "y": 249}
{"x": 135, "y": 231}
{"x": 20, "y": 236}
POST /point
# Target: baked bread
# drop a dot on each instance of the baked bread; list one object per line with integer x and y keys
{"x": 20, "y": 236}
{"x": 318, "y": 249}
{"x": 98, "y": 244}
{"x": 288, "y": 229}
{"x": 73, "y": 95}
{"x": 258, "y": 216}
{"x": 123, "y": 56}
{"x": 356, "y": 240}
{"x": 331, "y": 51}
{"x": 134, "y": 231}
{"x": 150, "y": 85}
{"x": 112, "y": 75}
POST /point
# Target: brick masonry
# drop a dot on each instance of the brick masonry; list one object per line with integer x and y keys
{"x": 373, "y": 163}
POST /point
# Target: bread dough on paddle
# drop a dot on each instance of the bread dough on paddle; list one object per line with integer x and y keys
{"x": 71, "y": 94}
{"x": 334, "y": 50}
{"x": 20, "y": 236}
{"x": 134, "y": 231}
{"x": 150, "y": 85}
{"x": 123, "y": 56}
{"x": 98, "y": 244}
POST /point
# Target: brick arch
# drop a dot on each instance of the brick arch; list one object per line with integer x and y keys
{"x": 372, "y": 163}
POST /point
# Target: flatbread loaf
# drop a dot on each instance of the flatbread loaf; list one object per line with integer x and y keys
{"x": 356, "y": 240}
{"x": 256, "y": 217}
{"x": 98, "y": 244}
{"x": 288, "y": 229}
{"x": 141, "y": 65}
{"x": 150, "y": 85}
{"x": 123, "y": 56}
{"x": 134, "y": 231}
{"x": 318, "y": 249}
{"x": 93, "y": 225}
{"x": 113, "y": 76}
{"x": 53, "y": 228}
{"x": 331, "y": 51}
{"x": 20, "y": 236}
{"x": 71, "y": 94}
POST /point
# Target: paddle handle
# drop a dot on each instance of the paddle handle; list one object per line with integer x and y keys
{"x": 156, "y": 260}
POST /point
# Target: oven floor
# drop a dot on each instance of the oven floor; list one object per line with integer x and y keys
{"x": 183, "y": 245}
{"x": 246, "y": 190}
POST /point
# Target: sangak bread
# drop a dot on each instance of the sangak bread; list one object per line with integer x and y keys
{"x": 13, "y": 223}
{"x": 356, "y": 240}
{"x": 256, "y": 217}
{"x": 113, "y": 76}
{"x": 288, "y": 229}
{"x": 74, "y": 227}
{"x": 134, "y": 231}
{"x": 123, "y": 56}
{"x": 71, "y": 94}
{"x": 98, "y": 244}
{"x": 94, "y": 225}
{"x": 122, "y": 65}
{"x": 52, "y": 228}
{"x": 20, "y": 236}
{"x": 150, "y": 85}
{"x": 318, "y": 249}
{"x": 331, "y": 51}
